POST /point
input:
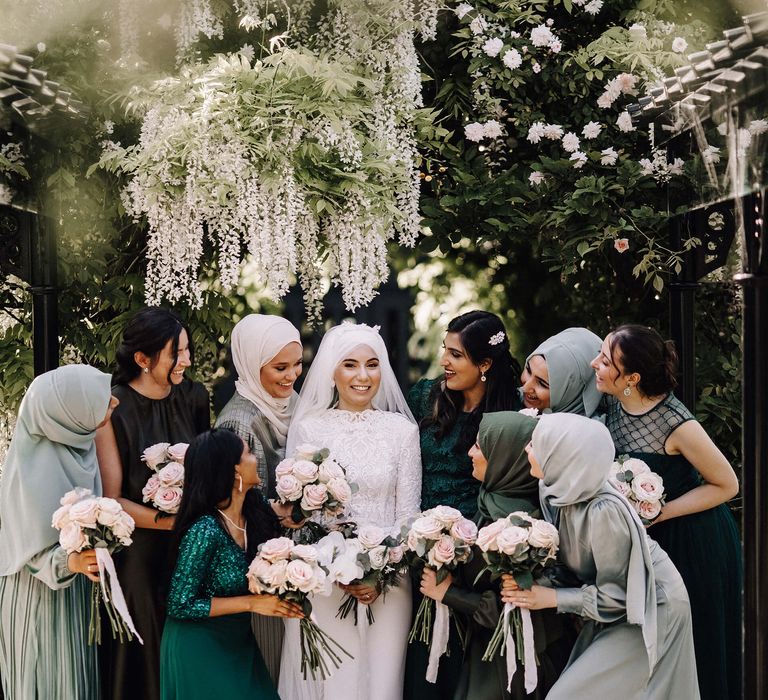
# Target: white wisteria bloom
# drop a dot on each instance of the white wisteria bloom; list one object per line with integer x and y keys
{"x": 474, "y": 131}
{"x": 679, "y": 45}
{"x": 535, "y": 132}
{"x": 462, "y": 9}
{"x": 492, "y": 129}
{"x": 758, "y": 126}
{"x": 578, "y": 158}
{"x": 608, "y": 156}
{"x": 571, "y": 142}
{"x": 492, "y": 47}
{"x": 638, "y": 31}
{"x": 624, "y": 122}
{"x": 591, "y": 130}
{"x": 542, "y": 35}
{"x": 536, "y": 177}
{"x": 478, "y": 25}
{"x": 711, "y": 154}
{"x": 553, "y": 132}
{"x": 536, "y": 67}
{"x": 593, "y": 7}
{"x": 512, "y": 59}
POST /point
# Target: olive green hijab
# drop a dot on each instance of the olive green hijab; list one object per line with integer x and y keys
{"x": 508, "y": 485}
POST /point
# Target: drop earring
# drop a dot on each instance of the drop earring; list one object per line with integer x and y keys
{"x": 483, "y": 378}
{"x": 146, "y": 370}
{"x": 240, "y": 485}
{"x": 627, "y": 390}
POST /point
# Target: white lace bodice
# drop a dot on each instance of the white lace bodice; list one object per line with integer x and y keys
{"x": 381, "y": 453}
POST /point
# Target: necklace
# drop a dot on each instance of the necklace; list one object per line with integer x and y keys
{"x": 236, "y": 526}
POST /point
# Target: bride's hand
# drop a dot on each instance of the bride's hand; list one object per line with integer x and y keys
{"x": 364, "y": 594}
{"x": 431, "y": 588}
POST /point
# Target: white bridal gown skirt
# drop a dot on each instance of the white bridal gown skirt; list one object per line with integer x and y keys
{"x": 378, "y": 667}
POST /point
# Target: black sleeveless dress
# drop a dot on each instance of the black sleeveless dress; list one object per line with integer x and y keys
{"x": 705, "y": 547}
{"x": 131, "y": 671}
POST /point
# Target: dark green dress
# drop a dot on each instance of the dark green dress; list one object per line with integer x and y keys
{"x": 204, "y": 657}
{"x": 705, "y": 547}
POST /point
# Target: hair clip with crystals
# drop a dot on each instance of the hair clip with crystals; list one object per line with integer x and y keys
{"x": 497, "y": 338}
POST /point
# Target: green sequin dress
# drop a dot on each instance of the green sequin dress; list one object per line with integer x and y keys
{"x": 204, "y": 657}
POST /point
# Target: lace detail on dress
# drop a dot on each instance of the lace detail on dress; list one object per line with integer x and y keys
{"x": 380, "y": 451}
{"x": 649, "y": 431}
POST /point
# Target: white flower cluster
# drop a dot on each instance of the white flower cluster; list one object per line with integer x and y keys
{"x": 659, "y": 168}
{"x": 197, "y": 17}
{"x": 542, "y": 36}
{"x": 592, "y": 7}
{"x": 475, "y": 131}
{"x": 622, "y": 84}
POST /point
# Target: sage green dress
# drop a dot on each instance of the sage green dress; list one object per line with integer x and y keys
{"x": 203, "y": 657}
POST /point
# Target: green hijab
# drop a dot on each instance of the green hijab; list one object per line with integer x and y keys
{"x": 571, "y": 380}
{"x": 52, "y": 452}
{"x": 508, "y": 485}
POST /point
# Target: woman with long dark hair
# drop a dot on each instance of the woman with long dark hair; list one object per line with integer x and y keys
{"x": 157, "y": 404}
{"x": 636, "y": 369}
{"x": 207, "y": 647}
{"x": 480, "y": 376}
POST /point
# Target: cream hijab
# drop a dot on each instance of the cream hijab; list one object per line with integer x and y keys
{"x": 255, "y": 341}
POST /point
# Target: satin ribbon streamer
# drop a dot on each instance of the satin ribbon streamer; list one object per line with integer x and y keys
{"x": 529, "y": 651}
{"x": 106, "y": 565}
{"x": 440, "y": 631}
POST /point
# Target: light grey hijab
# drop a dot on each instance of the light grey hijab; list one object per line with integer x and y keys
{"x": 571, "y": 380}
{"x": 52, "y": 452}
{"x": 575, "y": 454}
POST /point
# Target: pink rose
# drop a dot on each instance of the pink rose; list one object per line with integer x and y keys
{"x": 512, "y": 539}
{"x": 412, "y": 541}
{"x": 395, "y": 554}
{"x": 621, "y": 486}
{"x": 300, "y": 575}
{"x": 340, "y": 490}
{"x": 371, "y": 536}
{"x": 442, "y": 553}
{"x": 275, "y": 549}
{"x": 648, "y": 510}
{"x": 621, "y": 245}
{"x": 72, "y": 538}
{"x": 60, "y": 517}
{"x": 109, "y": 511}
{"x": 486, "y": 537}
{"x": 176, "y": 452}
{"x": 305, "y": 552}
{"x": 150, "y": 488}
{"x": 172, "y": 474}
{"x": 85, "y": 512}
{"x": 156, "y": 454}
{"x": 258, "y": 572}
{"x": 648, "y": 487}
{"x": 329, "y": 470}
{"x": 543, "y": 534}
{"x": 289, "y": 488}
{"x": 276, "y": 578}
{"x": 315, "y": 495}
{"x": 123, "y": 528}
{"x": 446, "y": 514}
{"x": 168, "y": 499}
{"x": 76, "y": 494}
{"x": 285, "y": 467}
{"x": 304, "y": 471}
{"x": 427, "y": 527}
{"x": 378, "y": 557}
{"x": 464, "y": 530}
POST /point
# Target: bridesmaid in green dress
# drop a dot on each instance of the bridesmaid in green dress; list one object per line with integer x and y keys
{"x": 44, "y": 651}
{"x": 480, "y": 376}
{"x": 501, "y": 465}
{"x": 207, "y": 649}
{"x": 636, "y": 369}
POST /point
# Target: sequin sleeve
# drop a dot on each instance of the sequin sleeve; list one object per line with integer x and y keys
{"x": 186, "y": 600}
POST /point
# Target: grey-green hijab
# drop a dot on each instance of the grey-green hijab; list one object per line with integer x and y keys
{"x": 508, "y": 485}
{"x": 575, "y": 453}
{"x": 52, "y": 452}
{"x": 571, "y": 380}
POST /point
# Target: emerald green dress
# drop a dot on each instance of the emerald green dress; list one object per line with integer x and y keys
{"x": 705, "y": 547}
{"x": 203, "y": 657}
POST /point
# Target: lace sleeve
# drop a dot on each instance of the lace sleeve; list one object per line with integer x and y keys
{"x": 408, "y": 494}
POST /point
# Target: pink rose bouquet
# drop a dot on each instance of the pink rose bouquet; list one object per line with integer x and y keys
{"x": 523, "y": 547}
{"x": 293, "y": 572}
{"x": 643, "y": 488}
{"x": 440, "y": 538}
{"x": 85, "y": 521}
{"x": 166, "y": 486}
{"x": 314, "y": 483}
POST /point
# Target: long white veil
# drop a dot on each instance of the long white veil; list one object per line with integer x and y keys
{"x": 317, "y": 393}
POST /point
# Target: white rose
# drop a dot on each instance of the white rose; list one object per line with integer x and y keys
{"x": 109, "y": 511}
{"x": 648, "y": 487}
{"x": 492, "y": 47}
{"x": 339, "y": 489}
{"x": 276, "y": 549}
{"x": 85, "y": 513}
{"x": 72, "y": 538}
{"x": 276, "y": 577}
{"x": 124, "y": 527}
{"x": 300, "y": 575}
{"x": 289, "y": 488}
{"x": 315, "y": 496}
{"x": 492, "y": 129}
{"x": 305, "y": 471}
{"x": 176, "y": 452}
{"x": 306, "y": 552}
{"x": 172, "y": 474}
{"x": 306, "y": 451}
{"x": 329, "y": 469}
{"x": 378, "y": 557}
{"x": 679, "y": 45}
{"x": 636, "y": 466}
{"x": 512, "y": 539}
{"x": 258, "y": 573}
{"x": 156, "y": 454}
{"x": 75, "y": 495}
{"x": 371, "y": 536}
{"x": 284, "y": 467}
{"x": 427, "y": 527}
{"x": 512, "y": 59}
{"x": 474, "y": 131}
{"x": 624, "y": 122}
{"x": 60, "y": 517}
{"x": 543, "y": 534}
{"x": 486, "y": 537}
{"x": 346, "y": 569}
{"x": 446, "y": 514}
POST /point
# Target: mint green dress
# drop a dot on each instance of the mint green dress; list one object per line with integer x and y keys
{"x": 203, "y": 657}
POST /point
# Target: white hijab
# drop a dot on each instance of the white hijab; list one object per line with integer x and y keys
{"x": 255, "y": 341}
{"x": 318, "y": 390}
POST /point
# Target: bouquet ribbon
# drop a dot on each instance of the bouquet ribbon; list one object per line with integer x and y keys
{"x": 107, "y": 566}
{"x": 529, "y": 651}
{"x": 440, "y": 632}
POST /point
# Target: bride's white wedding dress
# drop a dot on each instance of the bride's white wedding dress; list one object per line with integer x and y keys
{"x": 380, "y": 451}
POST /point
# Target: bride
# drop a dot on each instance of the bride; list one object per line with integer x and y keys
{"x": 351, "y": 404}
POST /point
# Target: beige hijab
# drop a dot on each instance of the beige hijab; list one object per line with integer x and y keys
{"x": 255, "y": 341}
